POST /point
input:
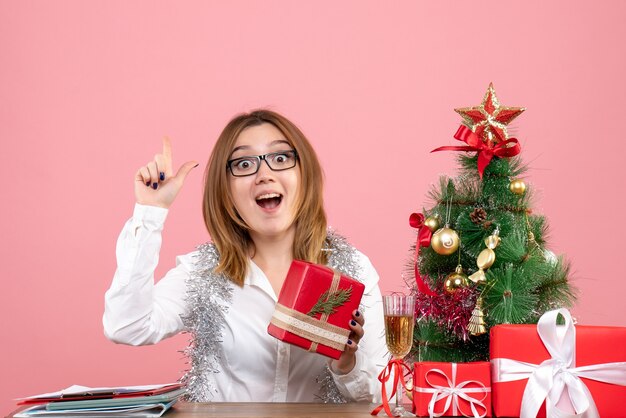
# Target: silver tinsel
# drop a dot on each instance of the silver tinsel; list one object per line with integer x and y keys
{"x": 329, "y": 392}
{"x": 209, "y": 296}
{"x": 343, "y": 258}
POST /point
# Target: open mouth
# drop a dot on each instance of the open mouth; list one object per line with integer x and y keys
{"x": 269, "y": 200}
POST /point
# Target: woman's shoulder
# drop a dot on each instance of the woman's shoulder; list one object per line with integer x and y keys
{"x": 204, "y": 257}
{"x": 203, "y": 283}
{"x": 351, "y": 260}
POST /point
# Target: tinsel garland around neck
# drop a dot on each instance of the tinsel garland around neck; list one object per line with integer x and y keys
{"x": 343, "y": 258}
{"x": 209, "y": 296}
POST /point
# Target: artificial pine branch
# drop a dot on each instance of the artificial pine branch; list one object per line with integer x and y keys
{"x": 436, "y": 266}
{"x": 498, "y": 167}
{"x": 554, "y": 291}
{"x": 437, "y": 192}
{"x": 430, "y": 342}
{"x": 433, "y": 343}
{"x": 509, "y": 297}
{"x": 539, "y": 228}
{"x": 329, "y": 302}
{"x": 538, "y": 266}
{"x": 496, "y": 191}
{"x": 512, "y": 249}
{"x": 474, "y": 235}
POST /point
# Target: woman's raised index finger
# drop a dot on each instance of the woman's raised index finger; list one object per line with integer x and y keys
{"x": 167, "y": 153}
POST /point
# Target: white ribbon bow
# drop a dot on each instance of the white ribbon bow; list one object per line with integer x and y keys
{"x": 548, "y": 380}
{"x": 453, "y": 392}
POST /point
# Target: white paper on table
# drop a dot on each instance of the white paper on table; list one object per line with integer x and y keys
{"x": 139, "y": 411}
{"x": 77, "y": 390}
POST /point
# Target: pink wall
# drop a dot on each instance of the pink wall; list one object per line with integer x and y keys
{"x": 87, "y": 90}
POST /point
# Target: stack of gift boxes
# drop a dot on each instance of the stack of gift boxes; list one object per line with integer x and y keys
{"x": 552, "y": 369}
{"x": 543, "y": 370}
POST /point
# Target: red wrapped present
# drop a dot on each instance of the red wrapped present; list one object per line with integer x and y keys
{"x": 558, "y": 370}
{"x": 315, "y": 307}
{"x": 452, "y": 389}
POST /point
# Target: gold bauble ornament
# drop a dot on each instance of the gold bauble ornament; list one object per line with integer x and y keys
{"x": 432, "y": 223}
{"x": 456, "y": 280}
{"x": 445, "y": 241}
{"x": 518, "y": 187}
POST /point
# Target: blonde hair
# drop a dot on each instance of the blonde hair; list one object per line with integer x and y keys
{"x": 228, "y": 230}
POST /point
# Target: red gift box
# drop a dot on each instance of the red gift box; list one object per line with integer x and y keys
{"x": 296, "y": 319}
{"x": 576, "y": 354}
{"x": 452, "y": 389}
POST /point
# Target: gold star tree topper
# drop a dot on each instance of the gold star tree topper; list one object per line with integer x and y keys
{"x": 490, "y": 119}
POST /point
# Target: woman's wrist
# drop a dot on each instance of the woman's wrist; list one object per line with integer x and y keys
{"x": 342, "y": 366}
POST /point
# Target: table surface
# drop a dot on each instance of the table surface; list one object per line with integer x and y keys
{"x": 295, "y": 410}
{"x": 273, "y": 410}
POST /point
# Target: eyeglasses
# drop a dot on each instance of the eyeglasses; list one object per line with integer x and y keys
{"x": 276, "y": 161}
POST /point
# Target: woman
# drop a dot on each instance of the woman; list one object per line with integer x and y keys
{"x": 262, "y": 207}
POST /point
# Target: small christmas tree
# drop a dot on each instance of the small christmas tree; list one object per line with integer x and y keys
{"x": 480, "y": 257}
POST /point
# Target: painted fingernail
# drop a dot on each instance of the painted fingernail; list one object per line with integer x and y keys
{"x": 349, "y": 342}
{"x": 357, "y": 313}
{"x": 155, "y": 185}
{"x": 196, "y": 165}
{"x": 161, "y": 176}
{"x": 148, "y": 183}
{"x": 353, "y": 322}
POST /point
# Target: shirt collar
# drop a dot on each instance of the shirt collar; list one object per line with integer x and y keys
{"x": 256, "y": 277}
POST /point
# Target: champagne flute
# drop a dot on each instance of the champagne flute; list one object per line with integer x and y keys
{"x": 399, "y": 313}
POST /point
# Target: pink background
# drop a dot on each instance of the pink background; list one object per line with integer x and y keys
{"x": 87, "y": 90}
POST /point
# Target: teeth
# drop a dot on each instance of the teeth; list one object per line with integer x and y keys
{"x": 267, "y": 196}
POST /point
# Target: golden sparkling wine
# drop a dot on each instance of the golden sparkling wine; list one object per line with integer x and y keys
{"x": 399, "y": 331}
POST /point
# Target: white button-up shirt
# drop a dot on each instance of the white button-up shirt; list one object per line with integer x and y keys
{"x": 254, "y": 366}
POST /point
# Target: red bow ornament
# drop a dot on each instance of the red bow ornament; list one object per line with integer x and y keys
{"x": 424, "y": 234}
{"x": 486, "y": 150}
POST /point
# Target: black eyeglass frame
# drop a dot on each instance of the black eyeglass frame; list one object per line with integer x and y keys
{"x": 260, "y": 158}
